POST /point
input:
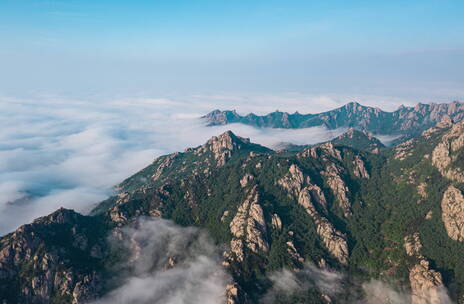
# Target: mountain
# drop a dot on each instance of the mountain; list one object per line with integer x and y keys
{"x": 409, "y": 121}
{"x": 360, "y": 140}
{"x": 328, "y": 224}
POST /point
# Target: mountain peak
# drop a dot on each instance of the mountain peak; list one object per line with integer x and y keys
{"x": 359, "y": 139}
{"x": 228, "y": 139}
{"x": 353, "y": 104}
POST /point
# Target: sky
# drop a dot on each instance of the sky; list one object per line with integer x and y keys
{"x": 408, "y": 49}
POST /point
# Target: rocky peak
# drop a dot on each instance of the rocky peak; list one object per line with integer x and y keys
{"x": 359, "y": 139}
{"x": 354, "y": 107}
{"x": 229, "y": 140}
{"x": 427, "y": 285}
{"x": 324, "y": 151}
{"x": 60, "y": 216}
{"x": 218, "y": 117}
{"x": 224, "y": 145}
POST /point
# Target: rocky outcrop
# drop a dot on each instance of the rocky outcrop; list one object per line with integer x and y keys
{"x": 338, "y": 187}
{"x": 452, "y": 206}
{"x": 248, "y": 227}
{"x": 124, "y": 210}
{"x": 403, "y": 150}
{"x": 444, "y": 154}
{"x": 294, "y": 254}
{"x": 36, "y": 261}
{"x": 164, "y": 163}
{"x": 276, "y": 222}
{"x": 326, "y": 151}
{"x": 429, "y": 215}
{"x": 331, "y": 150}
{"x": 422, "y": 190}
{"x": 360, "y": 168}
{"x": 334, "y": 241}
{"x": 246, "y": 179}
{"x": 235, "y": 294}
{"x": 293, "y": 181}
{"x": 413, "y": 245}
{"x": 427, "y": 285}
{"x": 223, "y": 146}
{"x": 299, "y": 186}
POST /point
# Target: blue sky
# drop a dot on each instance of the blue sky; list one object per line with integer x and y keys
{"x": 397, "y": 48}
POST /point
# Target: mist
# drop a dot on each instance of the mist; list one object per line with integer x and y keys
{"x": 167, "y": 264}
{"x": 333, "y": 284}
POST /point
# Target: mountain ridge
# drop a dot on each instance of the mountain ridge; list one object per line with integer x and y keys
{"x": 406, "y": 121}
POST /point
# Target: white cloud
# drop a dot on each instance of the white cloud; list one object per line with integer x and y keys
{"x": 326, "y": 282}
{"x": 68, "y": 152}
{"x": 196, "y": 275}
{"x": 378, "y": 292}
{"x": 331, "y": 283}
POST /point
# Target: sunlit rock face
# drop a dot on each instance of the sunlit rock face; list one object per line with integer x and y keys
{"x": 452, "y": 206}
{"x": 248, "y": 227}
{"x": 446, "y": 153}
{"x": 426, "y": 285}
{"x": 299, "y": 186}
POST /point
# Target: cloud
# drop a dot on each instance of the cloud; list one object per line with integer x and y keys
{"x": 378, "y": 292}
{"x": 332, "y": 284}
{"x": 70, "y": 152}
{"x": 167, "y": 264}
{"x": 285, "y": 282}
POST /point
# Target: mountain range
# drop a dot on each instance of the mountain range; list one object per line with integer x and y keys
{"x": 405, "y": 121}
{"x": 345, "y": 221}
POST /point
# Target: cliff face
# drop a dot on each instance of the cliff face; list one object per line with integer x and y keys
{"x": 452, "y": 206}
{"x": 386, "y": 214}
{"x": 427, "y": 285}
{"x": 248, "y": 227}
{"x": 447, "y": 152}
{"x": 299, "y": 186}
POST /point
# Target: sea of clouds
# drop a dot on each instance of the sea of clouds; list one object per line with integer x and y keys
{"x": 63, "y": 152}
